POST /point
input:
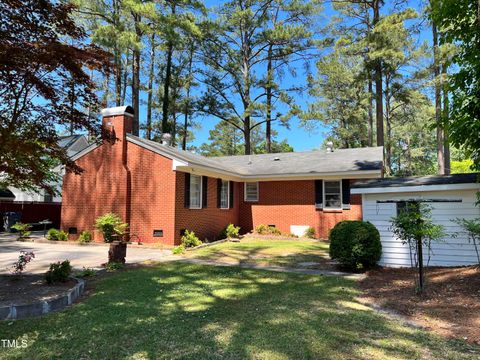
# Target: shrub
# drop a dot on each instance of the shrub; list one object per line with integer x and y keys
{"x": 230, "y": 232}
{"x": 113, "y": 266}
{"x": 355, "y": 244}
{"x": 23, "y": 259}
{"x": 23, "y": 229}
{"x": 58, "y": 272}
{"x": 310, "y": 233}
{"x": 110, "y": 224}
{"x": 86, "y": 272}
{"x": 177, "y": 250}
{"x": 266, "y": 230}
{"x": 189, "y": 239}
{"x": 57, "y": 235}
{"x": 85, "y": 237}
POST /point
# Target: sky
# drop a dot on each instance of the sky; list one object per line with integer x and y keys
{"x": 300, "y": 138}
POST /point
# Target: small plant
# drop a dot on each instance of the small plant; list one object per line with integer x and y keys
{"x": 267, "y": 230}
{"x": 472, "y": 230}
{"x": 189, "y": 239}
{"x": 230, "y": 232}
{"x": 57, "y": 235}
{"x": 23, "y": 259}
{"x": 85, "y": 237}
{"x": 355, "y": 244}
{"x": 113, "y": 266}
{"x": 110, "y": 225}
{"x": 86, "y": 272}
{"x": 177, "y": 250}
{"x": 23, "y": 229}
{"x": 58, "y": 272}
{"x": 310, "y": 233}
{"x": 414, "y": 227}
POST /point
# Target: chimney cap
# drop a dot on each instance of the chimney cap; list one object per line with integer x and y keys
{"x": 119, "y": 110}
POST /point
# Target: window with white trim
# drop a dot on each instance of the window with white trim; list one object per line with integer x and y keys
{"x": 195, "y": 192}
{"x": 225, "y": 195}
{"x": 332, "y": 195}
{"x": 251, "y": 191}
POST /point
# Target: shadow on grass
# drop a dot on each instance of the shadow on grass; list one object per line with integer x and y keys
{"x": 190, "y": 311}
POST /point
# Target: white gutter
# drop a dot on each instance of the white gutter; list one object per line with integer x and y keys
{"x": 418, "y": 188}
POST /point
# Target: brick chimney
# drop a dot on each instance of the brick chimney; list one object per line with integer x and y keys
{"x": 113, "y": 189}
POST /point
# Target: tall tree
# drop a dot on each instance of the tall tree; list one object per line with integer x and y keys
{"x": 38, "y": 64}
{"x": 459, "y": 23}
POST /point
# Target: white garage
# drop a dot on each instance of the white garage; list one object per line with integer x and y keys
{"x": 450, "y": 197}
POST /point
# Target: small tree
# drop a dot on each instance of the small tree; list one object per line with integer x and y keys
{"x": 110, "y": 225}
{"x": 414, "y": 227}
{"x": 472, "y": 229}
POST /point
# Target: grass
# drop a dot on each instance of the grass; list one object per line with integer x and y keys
{"x": 285, "y": 253}
{"x": 178, "y": 310}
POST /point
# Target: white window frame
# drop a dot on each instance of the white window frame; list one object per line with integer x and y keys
{"x": 228, "y": 195}
{"x": 245, "y": 191}
{"x": 325, "y": 207}
{"x": 201, "y": 192}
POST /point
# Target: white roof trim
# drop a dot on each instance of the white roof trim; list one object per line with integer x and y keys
{"x": 419, "y": 188}
{"x": 119, "y": 110}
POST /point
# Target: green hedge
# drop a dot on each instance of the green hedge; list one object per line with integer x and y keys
{"x": 355, "y": 244}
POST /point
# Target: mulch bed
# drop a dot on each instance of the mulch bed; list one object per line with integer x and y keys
{"x": 29, "y": 289}
{"x": 450, "y": 305}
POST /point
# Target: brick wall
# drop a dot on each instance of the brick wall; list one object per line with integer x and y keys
{"x": 207, "y": 222}
{"x": 285, "y": 203}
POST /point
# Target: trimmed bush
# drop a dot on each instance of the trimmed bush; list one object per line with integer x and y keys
{"x": 355, "y": 244}
{"x": 110, "y": 225}
{"x": 85, "y": 237}
{"x": 189, "y": 239}
{"x": 230, "y": 232}
{"x": 58, "y": 272}
{"x": 57, "y": 235}
{"x": 177, "y": 250}
{"x": 266, "y": 230}
{"x": 310, "y": 233}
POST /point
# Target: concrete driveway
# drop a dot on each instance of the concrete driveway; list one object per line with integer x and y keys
{"x": 91, "y": 256}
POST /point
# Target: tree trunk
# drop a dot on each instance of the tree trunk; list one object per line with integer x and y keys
{"x": 246, "y": 133}
{"x": 125, "y": 79}
{"x": 186, "y": 112}
{"x": 370, "y": 110}
{"x": 72, "y": 106}
{"x": 148, "y": 133}
{"x": 166, "y": 89}
{"x": 118, "y": 78}
{"x": 446, "y": 123}
{"x": 268, "y": 124}
{"x": 378, "y": 83}
{"x": 136, "y": 78}
{"x": 388, "y": 144}
{"x": 438, "y": 103}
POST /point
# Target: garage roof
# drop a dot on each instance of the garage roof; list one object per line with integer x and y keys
{"x": 418, "y": 181}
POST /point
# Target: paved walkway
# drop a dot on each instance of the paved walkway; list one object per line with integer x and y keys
{"x": 273, "y": 268}
{"x": 91, "y": 256}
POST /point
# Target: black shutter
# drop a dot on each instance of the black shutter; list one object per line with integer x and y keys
{"x": 204, "y": 191}
{"x": 231, "y": 194}
{"x": 219, "y": 192}
{"x": 346, "y": 194}
{"x": 319, "y": 194}
{"x": 187, "y": 190}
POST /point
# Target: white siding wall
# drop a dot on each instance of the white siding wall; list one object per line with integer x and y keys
{"x": 449, "y": 251}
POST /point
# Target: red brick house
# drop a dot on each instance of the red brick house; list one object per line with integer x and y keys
{"x": 161, "y": 190}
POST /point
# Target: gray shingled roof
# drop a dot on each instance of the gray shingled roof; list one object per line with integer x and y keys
{"x": 308, "y": 162}
{"x": 316, "y": 161}
{"x": 417, "y": 181}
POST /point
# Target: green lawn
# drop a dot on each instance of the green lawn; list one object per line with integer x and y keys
{"x": 285, "y": 253}
{"x": 179, "y": 310}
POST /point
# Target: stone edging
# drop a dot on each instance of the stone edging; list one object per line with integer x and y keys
{"x": 13, "y": 312}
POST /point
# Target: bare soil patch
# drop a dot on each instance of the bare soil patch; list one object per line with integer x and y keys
{"x": 450, "y": 305}
{"x": 29, "y": 288}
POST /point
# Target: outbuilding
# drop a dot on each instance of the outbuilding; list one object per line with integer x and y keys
{"x": 449, "y": 196}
